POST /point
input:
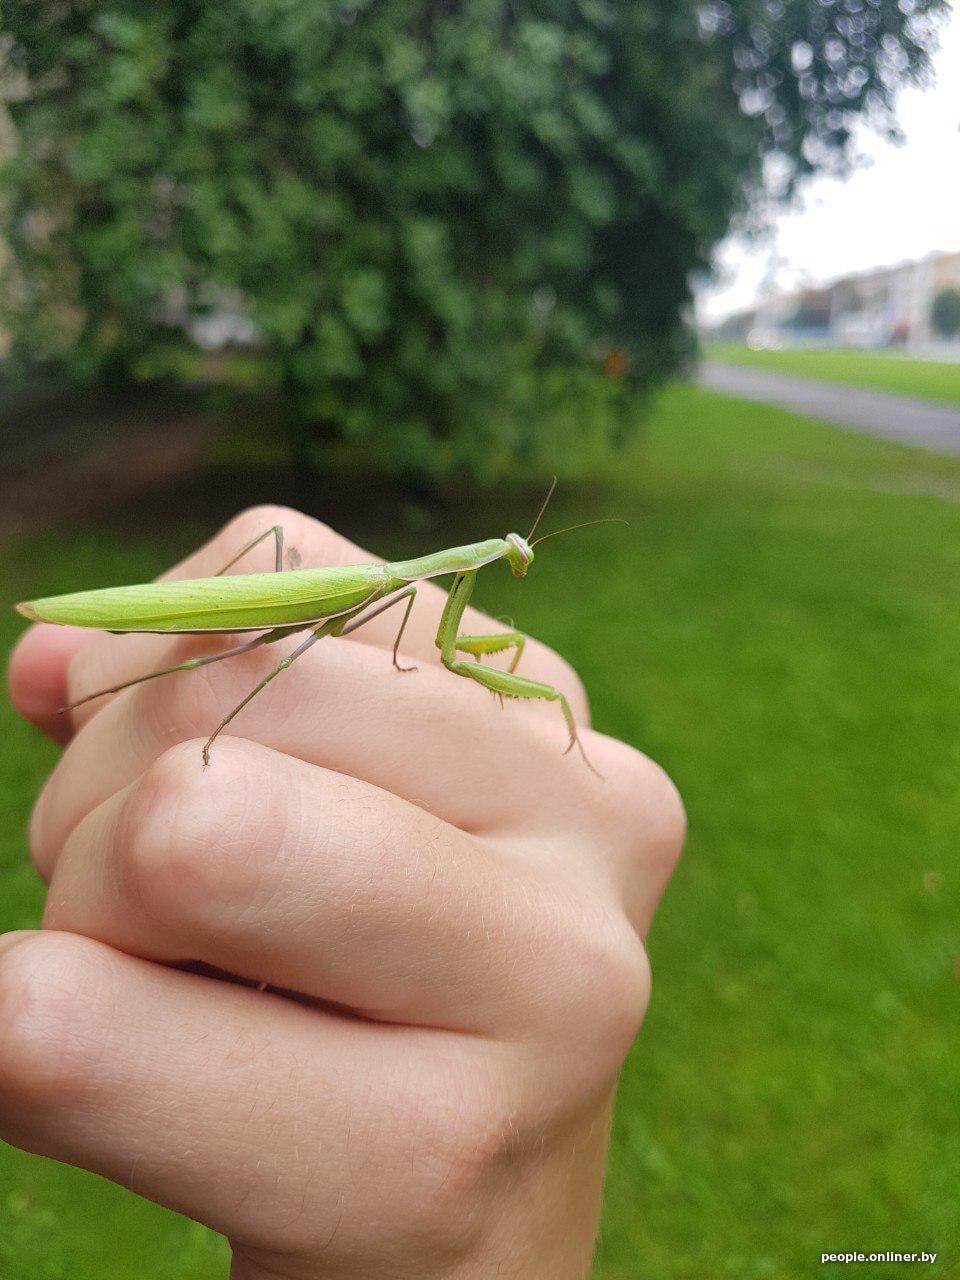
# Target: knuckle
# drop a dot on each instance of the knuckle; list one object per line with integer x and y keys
{"x": 48, "y": 1044}
{"x": 38, "y": 840}
{"x": 555, "y": 670}
{"x": 466, "y": 1154}
{"x": 576, "y": 692}
{"x": 321, "y": 543}
{"x": 177, "y": 838}
{"x": 253, "y": 521}
{"x": 92, "y": 667}
{"x": 589, "y": 983}
{"x": 610, "y": 985}
{"x": 649, "y": 808}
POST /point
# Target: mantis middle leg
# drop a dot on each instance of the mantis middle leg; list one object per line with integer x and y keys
{"x": 408, "y": 594}
{"x": 503, "y": 683}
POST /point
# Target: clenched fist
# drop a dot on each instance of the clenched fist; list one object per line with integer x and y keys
{"x": 357, "y": 994}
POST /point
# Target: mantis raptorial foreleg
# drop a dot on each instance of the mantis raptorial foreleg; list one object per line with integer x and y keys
{"x": 503, "y": 683}
{"x": 479, "y": 645}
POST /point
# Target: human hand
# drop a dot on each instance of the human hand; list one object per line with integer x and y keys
{"x": 447, "y": 912}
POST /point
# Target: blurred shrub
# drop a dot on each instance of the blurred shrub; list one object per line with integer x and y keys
{"x": 945, "y": 313}
{"x": 416, "y": 207}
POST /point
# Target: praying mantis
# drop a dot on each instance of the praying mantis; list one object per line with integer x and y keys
{"x": 331, "y": 601}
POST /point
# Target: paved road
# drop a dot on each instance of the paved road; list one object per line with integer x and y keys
{"x": 919, "y": 422}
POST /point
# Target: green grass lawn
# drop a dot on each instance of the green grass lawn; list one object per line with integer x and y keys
{"x": 778, "y": 626}
{"x": 928, "y": 379}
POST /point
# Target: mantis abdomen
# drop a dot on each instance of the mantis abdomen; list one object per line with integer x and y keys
{"x": 244, "y": 602}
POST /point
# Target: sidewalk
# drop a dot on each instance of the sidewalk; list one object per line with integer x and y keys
{"x": 923, "y": 423}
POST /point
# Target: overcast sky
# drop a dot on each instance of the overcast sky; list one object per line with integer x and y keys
{"x": 904, "y": 203}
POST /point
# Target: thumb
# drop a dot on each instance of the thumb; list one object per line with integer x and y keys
{"x": 38, "y": 676}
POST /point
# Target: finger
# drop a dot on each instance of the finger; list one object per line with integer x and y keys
{"x": 643, "y": 818}
{"x": 111, "y": 660}
{"x": 243, "y": 1110}
{"x": 431, "y": 737}
{"x": 283, "y": 873}
{"x": 38, "y": 674}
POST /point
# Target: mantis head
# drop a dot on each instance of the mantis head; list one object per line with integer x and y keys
{"x": 519, "y": 554}
{"x": 519, "y": 551}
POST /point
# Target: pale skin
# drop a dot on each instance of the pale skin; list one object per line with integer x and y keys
{"x": 460, "y": 909}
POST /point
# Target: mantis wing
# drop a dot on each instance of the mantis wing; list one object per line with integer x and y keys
{"x": 243, "y": 602}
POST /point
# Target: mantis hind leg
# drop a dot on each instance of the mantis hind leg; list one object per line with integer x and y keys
{"x": 276, "y": 532}
{"x": 339, "y": 625}
{"x": 190, "y": 664}
{"x": 328, "y": 628}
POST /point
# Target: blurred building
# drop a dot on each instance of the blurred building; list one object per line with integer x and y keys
{"x": 890, "y": 306}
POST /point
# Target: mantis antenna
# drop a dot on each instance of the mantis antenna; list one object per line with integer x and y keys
{"x": 543, "y": 508}
{"x": 585, "y": 525}
{"x": 570, "y": 527}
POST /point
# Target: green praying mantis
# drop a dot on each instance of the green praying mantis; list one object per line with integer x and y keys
{"x": 326, "y": 602}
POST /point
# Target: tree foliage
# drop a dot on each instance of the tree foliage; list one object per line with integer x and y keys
{"x": 945, "y": 313}
{"x": 421, "y": 205}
